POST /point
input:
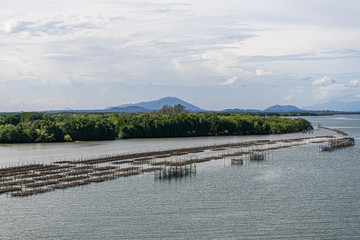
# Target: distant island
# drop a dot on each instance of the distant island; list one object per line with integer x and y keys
{"x": 142, "y": 107}
{"x": 155, "y": 105}
{"x": 158, "y": 104}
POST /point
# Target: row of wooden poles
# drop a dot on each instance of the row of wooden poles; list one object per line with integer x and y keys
{"x": 335, "y": 130}
{"x": 29, "y": 179}
{"x": 183, "y": 151}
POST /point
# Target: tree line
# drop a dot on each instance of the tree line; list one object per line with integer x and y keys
{"x": 30, "y": 127}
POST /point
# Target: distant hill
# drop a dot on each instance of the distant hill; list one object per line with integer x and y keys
{"x": 158, "y": 104}
{"x": 286, "y": 108}
{"x": 143, "y": 107}
{"x": 129, "y": 109}
{"x": 336, "y": 106}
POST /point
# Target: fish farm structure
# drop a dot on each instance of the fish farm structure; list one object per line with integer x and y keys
{"x": 259, "y": 156}
{"x": 237, "y": 161}
{"x": 28, "y": 179}
{"x": 338, "y": 144}
{"x": 176, "y": 169}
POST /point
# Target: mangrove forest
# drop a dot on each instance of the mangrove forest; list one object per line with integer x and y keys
{"x": 31, "y": 127}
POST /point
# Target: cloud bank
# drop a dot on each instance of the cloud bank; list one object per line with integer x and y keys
{"x": 61, "y": 53}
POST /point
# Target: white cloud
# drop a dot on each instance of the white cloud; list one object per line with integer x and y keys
{"x": 328, "y": 89}
{"x": 262, "y": 72}
{"x": 357, "y": 96}
{"x": 8, "y": 27}
{"x": 289, "y": 97}
{"x": 229, "y": 81}
{"x": 330, "y": 92}
{"x": 354, "y": 83}
{"x": 324, "y": 81}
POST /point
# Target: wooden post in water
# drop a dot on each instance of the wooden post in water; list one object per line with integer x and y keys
{"x": 190, "y": 166}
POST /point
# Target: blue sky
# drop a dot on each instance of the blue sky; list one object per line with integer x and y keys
{"x": 214, "y": 54}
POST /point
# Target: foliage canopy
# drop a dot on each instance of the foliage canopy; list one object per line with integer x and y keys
{"x": 31, "y": 127}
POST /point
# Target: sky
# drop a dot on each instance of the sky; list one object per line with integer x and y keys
{"x": 214, "y": 54}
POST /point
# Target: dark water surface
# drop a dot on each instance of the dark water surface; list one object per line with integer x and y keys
{"x": 299, "y": 193}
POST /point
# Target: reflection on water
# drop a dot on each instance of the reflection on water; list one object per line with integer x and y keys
{"x": 298, "y": 193}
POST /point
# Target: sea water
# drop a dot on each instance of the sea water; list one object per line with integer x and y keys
{"x": 298, "y": 193}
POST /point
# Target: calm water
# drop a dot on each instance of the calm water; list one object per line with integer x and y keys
{"x": 13, "y": 154}
{"x": 298, "y": 194}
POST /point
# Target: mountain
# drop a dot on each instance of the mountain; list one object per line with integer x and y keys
{"x": 336, "y": 106}
{"x": 144, "y": 107}
{"x": 158, "y": 104}
{"x": 286, "y": 108}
